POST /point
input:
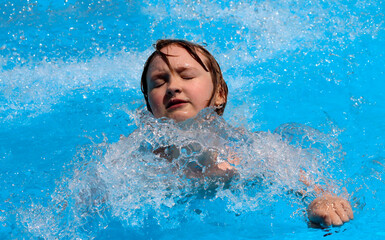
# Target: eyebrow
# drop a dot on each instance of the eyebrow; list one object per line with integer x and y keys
{"x": 183, "y": 68}
{"x": 157, "y": 74}
{"x": 163, "y": 72}
{"x": 179, "y": 69}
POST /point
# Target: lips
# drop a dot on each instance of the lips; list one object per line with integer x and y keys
{"x": 174, "y": 103}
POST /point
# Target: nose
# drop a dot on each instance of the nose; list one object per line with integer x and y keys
{"x": 174, "y": 86}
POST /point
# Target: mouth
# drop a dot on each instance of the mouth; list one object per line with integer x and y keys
{"x": 175, "y": 103}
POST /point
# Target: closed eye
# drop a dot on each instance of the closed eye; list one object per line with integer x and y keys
{"x": 188, "y": 74}
{"x": 159, "y": 79}
{"x": 158, "y": 83}
{"x": 187, "y": 77}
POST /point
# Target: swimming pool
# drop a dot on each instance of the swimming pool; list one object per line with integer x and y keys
{"x": 70, "y": 87}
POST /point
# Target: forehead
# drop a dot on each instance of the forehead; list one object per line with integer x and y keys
{"x": 178, "y": 57}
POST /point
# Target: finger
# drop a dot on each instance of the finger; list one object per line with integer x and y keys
{"x": 319, "y": 217}
{"x": 348, "y": 209}
{"x": 335, "y": 219}
{"x": 327, "y": 221}
{"x": 340, "y": 210}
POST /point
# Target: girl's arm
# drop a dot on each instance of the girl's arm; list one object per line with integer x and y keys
{"x": 328, "y": 209}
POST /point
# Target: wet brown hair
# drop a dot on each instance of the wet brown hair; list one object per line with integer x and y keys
{"x": 210, "y": 65}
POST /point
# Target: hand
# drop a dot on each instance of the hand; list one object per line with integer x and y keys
{"x": 330, "y": 210}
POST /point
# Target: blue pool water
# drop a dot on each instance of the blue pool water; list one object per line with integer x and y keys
{"x": 308, "y": 72}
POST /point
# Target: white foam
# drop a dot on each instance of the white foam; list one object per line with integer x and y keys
{"x": 128, "y": 182}
{"x": 36, "y": 87}
{"x": 264, "y": 29}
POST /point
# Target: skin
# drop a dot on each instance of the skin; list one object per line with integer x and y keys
{"x": 181, "y": 92}
{"x": 327, "y": 210}
{"x": 330, "y": 210}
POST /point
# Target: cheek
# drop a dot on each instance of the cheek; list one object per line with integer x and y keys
{"x": 155, "y": 101}
{"x": 206, "y": 92}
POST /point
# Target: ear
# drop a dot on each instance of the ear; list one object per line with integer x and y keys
{"x": 219, "y": 97}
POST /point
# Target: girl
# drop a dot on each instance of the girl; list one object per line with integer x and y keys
{"x": 180, "y": 79}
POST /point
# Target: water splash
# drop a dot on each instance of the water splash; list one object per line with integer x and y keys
{"x": 162, "y": 175}
{"x": 284, "y": 61}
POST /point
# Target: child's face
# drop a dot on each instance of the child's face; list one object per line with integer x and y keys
{"x": 179, "y": 94}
